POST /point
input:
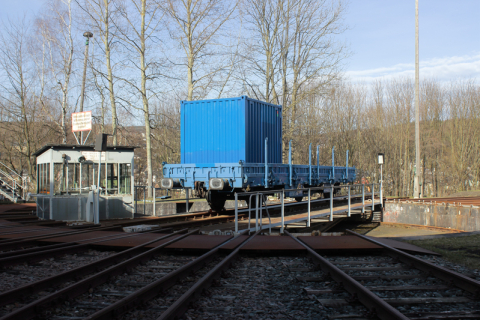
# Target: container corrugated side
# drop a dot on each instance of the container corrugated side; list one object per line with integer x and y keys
{"x": 212, "y": 131}
{"x": 263, "y": 120}
{"x": 230, "y": 130}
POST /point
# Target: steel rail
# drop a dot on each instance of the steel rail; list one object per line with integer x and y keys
{"x": 14, "y": 243}
{"x": 30, "y": 250}
{"x": 6, "y": 217}
{"x": 370, "y": 300}
{"x": 151, "y": 290}
{"x": 180, "y": 306}
{"x": 31, "y": 288}
{"x": 32, "y": 240}
{"x": 32, "y": 223}
{"x": 17, "y": 215}
{"x": 28, "y": 229}
{"x": 66, "y": 244}
{"x": 33, "y": 309}
{"x": 454, "y": 278}
{"x": 9, "y": 226}
{"x": 21, "y": 210}
{"x": 52, "y": 223}
{"x": 20, "y": 218}
{"x": 174, "y": 219}
{"x": 42, "y": 254}
{"x": 74, "y": 231}
{"x": 170, "y": 218}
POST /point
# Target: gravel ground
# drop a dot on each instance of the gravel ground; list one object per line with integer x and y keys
{"x": 119, "y": 287}
{"x": 254, "y": 288}
{"x": 424, "y": 280}
{"x": 267, "y": 288}
{"x": 23, "y": 248}
{"x": 157, "y": 306}
{"x": 472, "y": 273}
{"x": 19, "y": 275}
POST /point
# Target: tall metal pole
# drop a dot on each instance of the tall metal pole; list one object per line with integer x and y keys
{"x": 381, "y": 185}
{"x": 87, "y": 35}
{"x": 96, "y": 217}
{"x": 236, "y": 212}
{"x": 416, "y": 189}
{"x": 309, "y": 198}
{"x": 283, "y": 211}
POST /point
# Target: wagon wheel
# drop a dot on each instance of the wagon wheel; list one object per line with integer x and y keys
{"x": 216, "y": 201}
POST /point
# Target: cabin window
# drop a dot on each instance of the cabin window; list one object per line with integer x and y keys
{"x": 125, "y": 178}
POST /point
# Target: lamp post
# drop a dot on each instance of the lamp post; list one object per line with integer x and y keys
{"x": 87, "y": 35}
{"x": 381, "y": 161}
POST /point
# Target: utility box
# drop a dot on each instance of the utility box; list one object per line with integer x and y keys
{"x": 230, "y": 130}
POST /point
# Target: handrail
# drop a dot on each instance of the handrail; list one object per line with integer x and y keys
{"x": 5, "y": 174}
{"x": 11, "y": 170}
{"x": 17, "y": 184}
{"x": 371, "y": 192}
{"x": 264, "y": 203}
{"x": 5, "y": 180}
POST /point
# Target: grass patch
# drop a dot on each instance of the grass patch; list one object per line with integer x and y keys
{"x": 460, "y": 250}
{"x": 470, "y": 193}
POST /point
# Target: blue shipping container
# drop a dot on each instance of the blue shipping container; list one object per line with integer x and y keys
{"x": 229, "y": 130}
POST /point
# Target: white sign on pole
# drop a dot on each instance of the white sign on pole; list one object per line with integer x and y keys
{"x": 82, "y": 121}
{"x": 93, "y": 155}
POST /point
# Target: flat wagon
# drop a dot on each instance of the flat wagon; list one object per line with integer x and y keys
{"x": 235, "y": 145}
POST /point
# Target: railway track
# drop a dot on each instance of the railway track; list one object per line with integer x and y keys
{"x": 116, "y": 286}
{"x": 150, "y": 283}
{"x": 74, "y": 281}
{"x": 41, "y": 252}
{"x": 390, "y": 284}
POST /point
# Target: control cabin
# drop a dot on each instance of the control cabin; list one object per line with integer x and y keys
{"x": 66, "y": 174}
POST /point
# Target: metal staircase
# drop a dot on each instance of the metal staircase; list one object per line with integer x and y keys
{"x": 377, "y": 215}
{"x": 12, "y": 185}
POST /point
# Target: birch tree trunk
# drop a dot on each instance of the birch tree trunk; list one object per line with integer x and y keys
{"x": 106, "y": 40}
{"x": 146, "y": 112}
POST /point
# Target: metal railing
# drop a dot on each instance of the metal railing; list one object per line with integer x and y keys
{"x": 13, "y": 181}
{"x": 282, "y": 205}
{"x": 263, "y": 200}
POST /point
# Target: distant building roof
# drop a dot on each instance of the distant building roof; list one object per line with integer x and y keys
{"x": 90, "y": 147}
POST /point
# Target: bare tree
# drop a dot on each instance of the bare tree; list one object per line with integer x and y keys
{"x": 17, "y": 97}
{"x": 265, "y": 18}
{"x": 295, "y": 53}
{"x": 56, "y": 28}
{"x": 197, "y": 29}
{"x": 138, "y": 32}
{"x": 315, "y": 57}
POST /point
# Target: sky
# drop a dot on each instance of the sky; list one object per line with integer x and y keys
{"x": 381, "y": 37}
